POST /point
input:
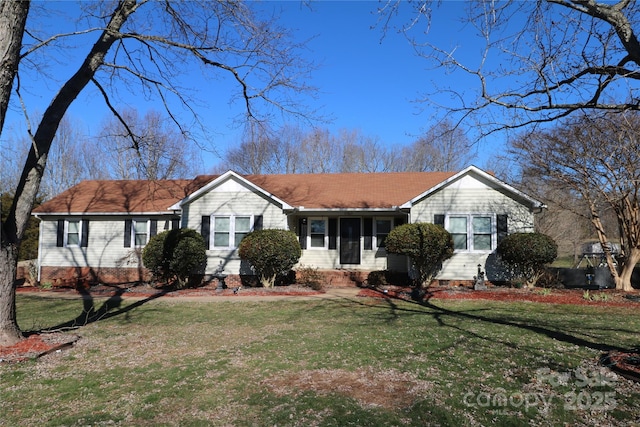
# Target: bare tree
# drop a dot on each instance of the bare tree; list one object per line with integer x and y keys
{"x": 67, "y": 161}
{"x": 596, "y": 159}
{"x": 444, "y": 147}
{"x": 542, "y": 60}
{"x": 159, "y": 152}
{"x": 146, "y": 47}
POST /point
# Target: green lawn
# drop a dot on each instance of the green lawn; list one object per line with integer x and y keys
{"x": 361, "y": 362}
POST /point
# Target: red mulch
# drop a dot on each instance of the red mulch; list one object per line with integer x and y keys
{"x": 35, "y": 346}
{"x": 608, "y": 297}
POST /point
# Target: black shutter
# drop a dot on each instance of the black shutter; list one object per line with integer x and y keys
{"x": 60, "y": 234}
{"x": 175, "y": 223}
{"x": 205, "y": 230}
{"x": 153, "y": 228}
{"x": 501, "y": 227}
{"x": 302, "y": 232}
{"x": 257, "y": 223}
{"x": 438, "y": 219}
{"x": 127, "y": 233}
{"x": 84, "y": 241}
{"x": 333, "y": 233}
{"x": 397, "y": 222}
{"x": 367, "y": 224}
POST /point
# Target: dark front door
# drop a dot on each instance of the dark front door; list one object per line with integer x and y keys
{"x": 349, "y": 240}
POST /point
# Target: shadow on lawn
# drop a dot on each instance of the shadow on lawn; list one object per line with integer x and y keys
{"x": 110, "y": 308}
{"x": 440, "y": 314}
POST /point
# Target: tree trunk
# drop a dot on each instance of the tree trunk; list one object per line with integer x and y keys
{"x": 623, "y": 281}
{"x": 29, "y": 184}
{"x": 13, "y": 16}
{"x": 9, "y": 330}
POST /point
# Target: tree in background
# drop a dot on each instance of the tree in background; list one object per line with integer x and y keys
{"x": 595, "y": 160}
{"x": 145, "y": 47}
{"x": 159, "y": 150}
{"x": 542, "y": 60}
{"x": 443, "y": 147}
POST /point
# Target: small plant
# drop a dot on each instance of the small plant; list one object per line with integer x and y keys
{"x": 544, "y": 292}
{"x": 311, "y": 277}
{"x": 601, "y": 296}
{"x": 46, "y": 286}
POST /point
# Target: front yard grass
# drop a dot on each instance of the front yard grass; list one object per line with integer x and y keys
{"x": 361, "y": 362}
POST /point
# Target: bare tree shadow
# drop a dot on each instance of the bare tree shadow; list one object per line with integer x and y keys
{"x": 112, "y": 307}
{"x": 441, "y": 314}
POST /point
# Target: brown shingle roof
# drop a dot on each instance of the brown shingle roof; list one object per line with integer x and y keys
{"x": 349, "y": 190}
{"x": 120, "y": 196}
{"x": 315, "y": 191}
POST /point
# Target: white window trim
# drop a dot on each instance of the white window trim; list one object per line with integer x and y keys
{"x": 326, "y": 233}
{"x": 133, "y": 231}
{"x": 375, "y": 230}
{"x": 470, "y": 216}
{"x": 232, "y": 229}
{"x": 66, "y": 233}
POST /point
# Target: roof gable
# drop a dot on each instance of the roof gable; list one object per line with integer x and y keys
{"x": 479, "y": 174}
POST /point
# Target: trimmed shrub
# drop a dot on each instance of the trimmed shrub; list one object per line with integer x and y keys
{"x": 527, "y": 254}
{"x": 173, "y": 255}
{"x": 271, "y": 253}
{"x": 427, "y": 245}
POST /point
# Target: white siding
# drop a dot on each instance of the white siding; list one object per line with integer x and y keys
{"x": 232, "y": 198}
{"x": 472, "y": 196}
{"x": 105, "y": 245}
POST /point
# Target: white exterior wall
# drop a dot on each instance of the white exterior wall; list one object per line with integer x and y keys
{"x": 231, "y": 198}
{"x": 471, "y": 195}
{"x": 105, "y": 246}
{"x": 329, "y": 259}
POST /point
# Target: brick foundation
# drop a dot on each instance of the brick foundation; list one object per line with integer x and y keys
{"x": 85, "y": 276}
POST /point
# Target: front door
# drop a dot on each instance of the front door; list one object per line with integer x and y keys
{"x": 349, "y": 240}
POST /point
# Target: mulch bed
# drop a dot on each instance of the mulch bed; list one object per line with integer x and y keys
{"x": 35, "y": 346}
{"x": 608, "y": 297}
{"x": 146, "y": 291}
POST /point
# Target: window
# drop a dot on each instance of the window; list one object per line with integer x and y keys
{"x": 140, "y": 230}
{"x": 472, "y": 232}
{"x": 229, "y": 230}
{"x": 458, "y": 229}
{"x": 383, "y": 227}
{"x": 317, "y": 232}
{"x": 73, "y": 233}
{"x": 242, "y": 228}
{"x": 221, "y": 232}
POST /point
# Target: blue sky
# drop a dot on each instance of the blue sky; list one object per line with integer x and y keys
{"x": 366, "y": 82}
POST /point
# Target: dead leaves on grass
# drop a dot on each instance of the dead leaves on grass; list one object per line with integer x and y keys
{"x": 390, "y": 389}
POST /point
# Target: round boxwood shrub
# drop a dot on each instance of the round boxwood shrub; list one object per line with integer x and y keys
{"x": 526, "y": 255}
{"x": 271, "y": 253}
{"x": 174, "y": 254}
{"x": 427, "y": 245}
